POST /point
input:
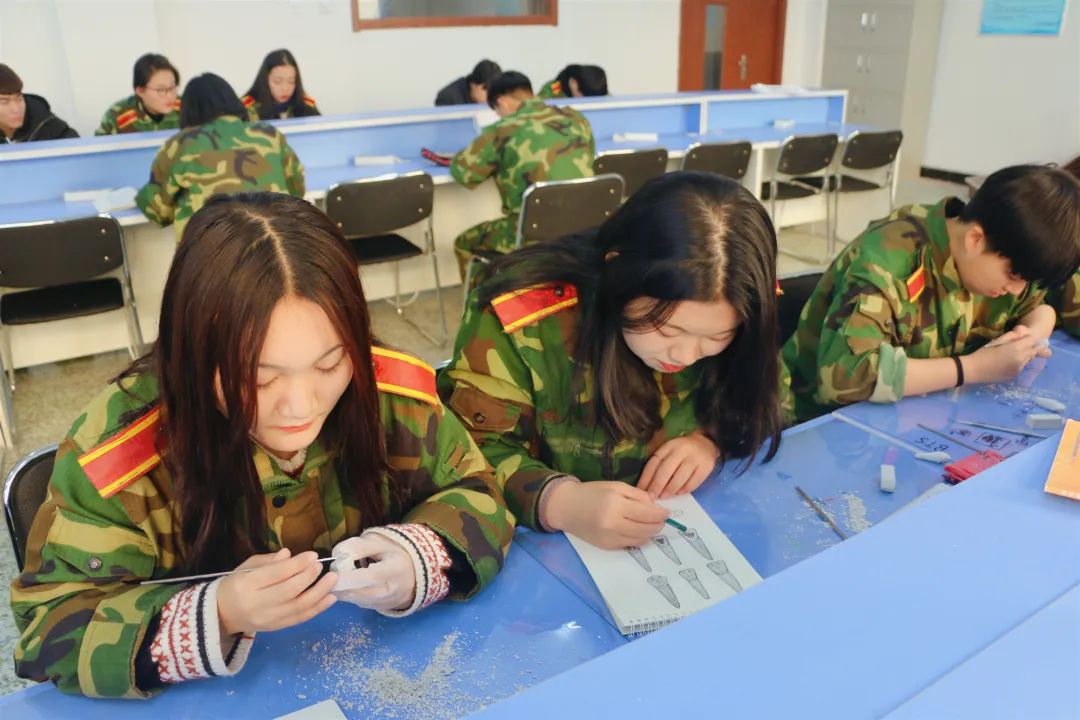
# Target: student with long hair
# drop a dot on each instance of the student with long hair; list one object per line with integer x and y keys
{"x": 266, "y": 428}
{"x": 575, "y": 81}
{"x": 277, "y": 91}
{"x": 155, "y": 105}
{"x": 216, "y": 151}
{"x": 1066, "y": 299}
{"x": 603, "y": 371}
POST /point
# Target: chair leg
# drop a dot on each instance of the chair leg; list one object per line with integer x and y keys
{"x": 438, "y": 298}
{"x": 7, "y": 415}
{"x": 829, "y": 230}
{"x": 9, "y": 362}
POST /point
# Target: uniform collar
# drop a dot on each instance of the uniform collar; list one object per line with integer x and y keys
{"x": 273, "y": 478}
{"x": 529, "y": 105}
{"x": 944, "y": 265}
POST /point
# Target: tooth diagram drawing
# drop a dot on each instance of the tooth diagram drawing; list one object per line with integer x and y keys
{"x": 690, "y": 576}
{"x": 694, "y": 540}
{"x": 721, "y": 569}
{"x": 660, "y": 583}
{"x": 635, "y": 552}
{"x": 664, "y": 544}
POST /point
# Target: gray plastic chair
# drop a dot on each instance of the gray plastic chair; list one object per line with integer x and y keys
{"x": 24, "y": 492}
{"x": 635, "y": 167}
{"x": 730, "y": 159}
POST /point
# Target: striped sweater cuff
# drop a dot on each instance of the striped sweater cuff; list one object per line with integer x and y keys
{"x": 188, "y": 644}
{"x": 430, "y": 562}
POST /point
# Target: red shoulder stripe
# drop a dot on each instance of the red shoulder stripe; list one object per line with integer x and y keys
{"x": 310, "y": 101}
{"x": 126, "y": 118}
{"x": 402, "y": 374}
{"x": 123, "y": 458}
{"x": 916, "y": 284}
{"x": 525, "y": 307}
{"x": 248, "y": 101}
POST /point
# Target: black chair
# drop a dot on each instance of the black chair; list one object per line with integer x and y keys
{"x": 635, "y": 167}
{"x": 802, "y": 156}
{"x": 24, "y": 492}
{"x": 730, "y": 159}
{"x": 797, "y": 288}
{"x": 369, "y": 211}
{"x": 556, "y": 208}
{"x": 75, "y": 267}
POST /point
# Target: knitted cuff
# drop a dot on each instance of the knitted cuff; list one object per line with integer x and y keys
{"x": 430, "y": 562}
{"x": 188, "y": 644}
{"x": 545, "y": 498}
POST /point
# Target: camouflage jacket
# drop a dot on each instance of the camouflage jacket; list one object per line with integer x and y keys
{"x": 538, "y": 142}
{"x": 225, "y": 155}
{"x": 254, "y": 108}
{"x": 515, "y": 384}
{"x": 129, "y": 116}
{"x": 892, "y": 294}
{"x": 108, "y": 521}
{"x": 552, "y": 89}
{"x": 1066, "y": 301}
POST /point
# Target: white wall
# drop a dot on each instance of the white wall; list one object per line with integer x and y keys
{"x": 79, "y": 53}
{"x": 1002, "y": 100}
{"x": 804, "y": 43}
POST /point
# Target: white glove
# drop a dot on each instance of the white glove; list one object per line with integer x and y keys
{"x": 374, "y": 572}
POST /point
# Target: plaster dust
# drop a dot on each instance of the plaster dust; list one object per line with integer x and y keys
{"x": 856, "y": 513}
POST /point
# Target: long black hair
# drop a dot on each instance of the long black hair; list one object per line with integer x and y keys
{"x": 208, "y": 97}
{"x": 260, "y": 88}
{"x": 682, "y": 236}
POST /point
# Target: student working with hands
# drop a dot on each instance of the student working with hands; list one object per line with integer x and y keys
{"x": 264, "y": 430}
{"x": 604, "y": 371}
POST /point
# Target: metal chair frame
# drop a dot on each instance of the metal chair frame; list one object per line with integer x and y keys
{"x": 824, "y": 172}
{"x": 890, "y": 171}
{"x": 18, "y": 545}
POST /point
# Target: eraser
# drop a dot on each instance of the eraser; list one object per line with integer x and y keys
{"x": 888, "y": 478}
{"x": 783, "y": 124}
{"x": 935, "y": 457}
{"x": 361, "y": 160}
{"x": 636, "y": 137}
{"x": 1044, "y": 421}
{"x": 1050, "y": 404}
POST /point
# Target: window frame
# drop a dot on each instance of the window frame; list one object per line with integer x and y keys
{"x": 551, "y": 17}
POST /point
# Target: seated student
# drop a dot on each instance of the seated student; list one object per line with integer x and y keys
{"x": 155, "y": 104}
{"x": 577, "y": 81}
{"x": 26, "y": 117}
{"x": 1066, "y": 300}
{"x": 936, "y": 296}
{"x": 471, "y": 88}
{"x": 217, "y": 151}
{"x": 639, "y": 354}
{"x": 278, "y": 91}
{"x": 531, "y": 142}
{"x": 265, "y": 429}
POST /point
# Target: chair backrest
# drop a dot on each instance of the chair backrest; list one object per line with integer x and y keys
{"x": 46, "y": 254}
{"x": 24, "y": 492}
{"x": 635, "y": 167}
{"x": 377, "y": 206}
{"x": 551, "y": 210}
{"x": 797, "y": 289}
{"x": 806, "y": 154}
{"x": 871, "y": 150}
{"x": 730, "y": 159}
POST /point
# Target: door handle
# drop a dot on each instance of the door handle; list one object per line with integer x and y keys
{"x": 744, "y": 62}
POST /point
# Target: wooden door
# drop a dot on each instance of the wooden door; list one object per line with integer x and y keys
{"x": 730, "y": 44}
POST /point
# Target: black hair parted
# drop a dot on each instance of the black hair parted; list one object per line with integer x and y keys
{"x": 260, "y": 87}
{"x": 506, "y": 83}
{"x": 484, "y": 72}
{"x": 208, "y": 97}
{"x": 147, "y": 65}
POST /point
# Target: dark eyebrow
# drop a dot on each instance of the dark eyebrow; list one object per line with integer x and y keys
{"x": 322, "y": 357}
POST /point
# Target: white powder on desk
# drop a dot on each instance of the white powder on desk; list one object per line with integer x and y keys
{"x": 856, "y": 513}
{"x": 429, "y": 695}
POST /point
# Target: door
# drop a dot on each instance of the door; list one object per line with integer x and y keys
{"x": 730, "y": 44}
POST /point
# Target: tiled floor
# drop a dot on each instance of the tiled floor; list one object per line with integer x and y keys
{"x": 48, "y": 398}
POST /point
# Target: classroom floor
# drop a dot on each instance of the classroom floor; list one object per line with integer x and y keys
{"x": 49, "y": 397}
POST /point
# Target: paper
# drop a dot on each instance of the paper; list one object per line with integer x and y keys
{"x": 1022, "y": 17}
{"x": 325, "y": 710}
{"x": 1064, "y": 478}
{"x": 483, "y": 118}
{"x": 362, "y": 160}
{"x": 113, "y": 200}
{"x": 790, "y": 89}
{"x": 671, "y": 577}
{"x": 636, "y": 137}
{"x": 84, "y": 195}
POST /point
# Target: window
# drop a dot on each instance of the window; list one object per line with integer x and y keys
{"x": 371, "y": 14}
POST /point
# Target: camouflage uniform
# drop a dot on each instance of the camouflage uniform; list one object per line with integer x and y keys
{"x": 130, "y": 116}
{"x": 253, "y": 106}
{"x": 108, "y": 521}
{"x": 225, "y": 155}
{"x": 1066, "y": 301}
{"x": 514, "y": 383}
{"x": 538, "y": 142}
{"x": 553, "y": 89}
{"x": 893, "y": 294}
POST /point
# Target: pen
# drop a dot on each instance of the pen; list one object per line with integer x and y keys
{"x": 676, "y": 524}
{"x": 208, "y": 576}
{"x": 821, "y": 512}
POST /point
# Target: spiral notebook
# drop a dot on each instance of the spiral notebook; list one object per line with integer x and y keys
{"x": 671, "y": 577}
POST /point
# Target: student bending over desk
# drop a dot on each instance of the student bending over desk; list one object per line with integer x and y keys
{"x": 577, "y": 81}
{"x": 1066, "y": 300}
{"x": 938, "y": 295}
{"x": 263, "y": 426}
{"x": 639, "y": 354}
{"x": 278, "y": 91}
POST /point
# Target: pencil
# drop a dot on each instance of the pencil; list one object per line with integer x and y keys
{"x": 821, "y": 512}
{"x": 209, "y": 576}
{"x": 676, "y": 524}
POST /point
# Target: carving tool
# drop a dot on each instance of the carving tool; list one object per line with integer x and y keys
{"x": 821, "y": 512}
{"x": 209, "y": 576}
{"x": 999, "y": 428}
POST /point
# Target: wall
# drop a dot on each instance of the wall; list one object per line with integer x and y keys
{"x": 804, "y": 42}
{"x": 79, "y": 53}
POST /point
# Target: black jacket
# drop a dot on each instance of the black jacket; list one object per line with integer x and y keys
{"x": 40, "y": 123}
{"x": 456, "y": 93}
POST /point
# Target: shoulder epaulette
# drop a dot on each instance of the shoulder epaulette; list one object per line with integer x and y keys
{"x": 248, "y": 101}
{"x": 125, "y": 457}
{"x": 556, "y": 88}
{"x": 524, "y": 307}
{"x": 309, "y": 101}
{"x": 916, "y": 284}
{"x": 126, "y": 118}
{"x": 176, "y": 104}
{"x": 401, "y": 374}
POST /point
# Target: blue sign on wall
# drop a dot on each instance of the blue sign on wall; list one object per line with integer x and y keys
{"x": 1022, "y": 17}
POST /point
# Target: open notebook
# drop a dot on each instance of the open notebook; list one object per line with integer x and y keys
{"x": 673, "y": 576}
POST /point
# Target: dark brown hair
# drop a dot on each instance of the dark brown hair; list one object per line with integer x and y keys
{"x": 10, "y": 82}
{"x": 260, "y": 87}
{"x": 683, "y": 236}
{"x": 238, "y": 257}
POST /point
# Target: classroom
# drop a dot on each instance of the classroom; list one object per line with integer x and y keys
{"x": 469, "y": 358}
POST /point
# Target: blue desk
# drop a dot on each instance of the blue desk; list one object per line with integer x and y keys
{"x": 1061, "y": 340}
{"x": 764, "y": 136}
{"x": 523, "y": 629}
{"x": 760, "y": 511}
{"x": 856, "y": 631}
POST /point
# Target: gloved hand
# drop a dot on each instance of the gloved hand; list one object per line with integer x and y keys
{"x": 374, "y": 572}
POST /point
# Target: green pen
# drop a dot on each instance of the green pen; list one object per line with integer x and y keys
{"x": 676, "y": 524}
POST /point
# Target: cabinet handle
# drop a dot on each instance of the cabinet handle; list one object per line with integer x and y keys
{"x": 873, "y": 22}
{"x": 859, "y": 63}
{"x": 864, "y": 20}
{"x": 867, "y": 64}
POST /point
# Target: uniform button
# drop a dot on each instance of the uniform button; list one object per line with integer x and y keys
{"x": 559, "y": 291}
{"x": 479, "y": 417}
{"x": 94, "y": 563}
{"x": 279, "y": 501}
